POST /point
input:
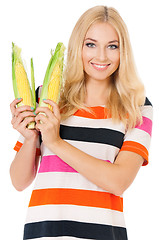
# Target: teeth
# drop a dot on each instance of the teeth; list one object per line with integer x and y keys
{"x": 100, "y": 66}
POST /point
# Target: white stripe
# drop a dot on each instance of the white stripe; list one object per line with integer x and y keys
{"x": 97, "y": 150}
{"x": 21, "y": 139}
{"x": 75, "y": 213}
{"x": 139, "y": 136}
{"x": 59, "y": 238}
{"x": 64, "y": 180}
{"x": 147, "y": 111}
{"x": 93, "y": 123}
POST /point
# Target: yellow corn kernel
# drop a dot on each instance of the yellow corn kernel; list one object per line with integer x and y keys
{"x": 23, "y": 84}
{"x": 54, "y": 85}
{"x": 24, "y": 88}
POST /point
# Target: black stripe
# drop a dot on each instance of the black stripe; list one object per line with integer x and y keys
{"x": 37, "y": 98}
{"x": 147, "y": 102}
{"x": 73, "y": 229}
{"x": 37, "y": 94}
{"x": 96, "y": 135}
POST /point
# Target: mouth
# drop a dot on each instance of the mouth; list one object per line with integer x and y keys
{"x": 100, "y": 66}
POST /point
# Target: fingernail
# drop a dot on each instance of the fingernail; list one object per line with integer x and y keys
{"x": 34, "y": 113}
{"x": 32, "y": 108}
{"x": 44, "y": 99}
{"x": 19, "y": 98}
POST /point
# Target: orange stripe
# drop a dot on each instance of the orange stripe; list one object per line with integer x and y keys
{"x": 76, "y": 197}
{"x": 98, "y": 113}
{"x": 18, "y": 146}
{"x": 137, "y": 148}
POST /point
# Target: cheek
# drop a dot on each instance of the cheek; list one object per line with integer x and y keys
{"x": 118, "y": 61}
{"x": 115, "y": 58}
{"x": 83, "y": 57}
{"x": 87, "y": 55}
{"x": 85, "y": 60}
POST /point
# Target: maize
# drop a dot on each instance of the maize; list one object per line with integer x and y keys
{"x": 53, "y": 77}
{"x": 21, "y": 84}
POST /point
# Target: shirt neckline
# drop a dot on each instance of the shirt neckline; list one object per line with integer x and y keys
{"x": 96, "y": 106}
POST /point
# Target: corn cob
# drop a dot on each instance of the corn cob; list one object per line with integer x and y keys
{"x": 21, "y": 84}
{"x": 53, "y": 77}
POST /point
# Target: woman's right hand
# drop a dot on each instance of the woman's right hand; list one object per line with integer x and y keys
{"x": 21, "y": 117}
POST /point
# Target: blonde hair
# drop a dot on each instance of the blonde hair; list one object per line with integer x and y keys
{"x": 126, "y": 92}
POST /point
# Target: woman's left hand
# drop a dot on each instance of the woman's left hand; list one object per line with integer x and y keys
{"x": 48, "y": 124}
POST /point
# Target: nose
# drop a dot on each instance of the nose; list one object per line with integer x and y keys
{"x": 102, "y": 54}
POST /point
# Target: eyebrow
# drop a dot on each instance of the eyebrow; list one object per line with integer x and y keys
{"x": 96, "y": 40}
{"x": 91, "y": 39}
{"x": 114, "y": 41}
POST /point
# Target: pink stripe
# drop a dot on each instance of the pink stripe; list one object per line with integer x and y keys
{"x": 107, "y": 161}
{"x": 53, "y": 163}
{"x": 146, "y": 125}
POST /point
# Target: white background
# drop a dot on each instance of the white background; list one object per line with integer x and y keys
{"x": 36, "y": 26}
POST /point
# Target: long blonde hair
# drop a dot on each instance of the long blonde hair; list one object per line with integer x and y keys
{"x": 126, "y": 92}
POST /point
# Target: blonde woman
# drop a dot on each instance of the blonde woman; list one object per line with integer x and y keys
{"x": 92, "y": 144}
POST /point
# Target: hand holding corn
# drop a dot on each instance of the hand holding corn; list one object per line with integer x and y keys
{"x": 21, "y": 117}
{"x": 51, "y": 85}
{"x": 50, "y": 123}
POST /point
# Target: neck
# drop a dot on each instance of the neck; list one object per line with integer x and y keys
{"x": 96, "y": 92}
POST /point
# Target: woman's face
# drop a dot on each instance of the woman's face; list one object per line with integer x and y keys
{"x": 100, "y": 53}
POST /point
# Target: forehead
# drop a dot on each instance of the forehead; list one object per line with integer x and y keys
{"x": 102, "y": 31}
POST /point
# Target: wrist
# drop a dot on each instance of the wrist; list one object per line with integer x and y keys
{"x": 56, "y": 145}
{"x": 31, "y": 140}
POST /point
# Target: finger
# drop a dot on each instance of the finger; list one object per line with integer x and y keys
{"x": 56, "y": 109}
{"x": 41, "y": 118}
{"x": 23, "y": 108}
{"x": 13, "y": 120}
{"x": 23, "y": 115}
{"x": 39, "y": 126}
{"x": 26, "y": 121}
{"x": 13, "y": 104}
{"x": 44, "y": 110}
{"x": 18, "y": 119}
{"x": 23, "y": 124}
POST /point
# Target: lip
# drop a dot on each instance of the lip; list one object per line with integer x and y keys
{"x": 100, "y": 67}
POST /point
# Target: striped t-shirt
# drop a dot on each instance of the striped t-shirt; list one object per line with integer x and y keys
{"x": 66, "y": 205}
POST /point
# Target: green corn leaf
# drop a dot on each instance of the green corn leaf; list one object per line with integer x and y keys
{"x": 33, "y": 83}
{"x": 56, "y": 57}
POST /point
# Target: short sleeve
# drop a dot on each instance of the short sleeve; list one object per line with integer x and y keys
{"x": 21, "y": 139}
{"x": 20, "y": 142}
{"x": 138, "y": 139}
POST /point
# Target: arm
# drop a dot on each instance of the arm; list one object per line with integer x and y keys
{"x": 24, "y": 166}
{"x": 114, "y": 178}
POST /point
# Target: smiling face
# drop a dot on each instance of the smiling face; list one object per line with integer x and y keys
{"x": 100, "y": 53}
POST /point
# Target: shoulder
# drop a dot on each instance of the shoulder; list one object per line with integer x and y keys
{"x": 147, "y": 109}
{"x": 147, "y": 102}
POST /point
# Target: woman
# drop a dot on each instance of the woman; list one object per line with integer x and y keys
{"x": 93, "y": 143}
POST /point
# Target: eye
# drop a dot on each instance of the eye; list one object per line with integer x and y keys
{"x": 113, "y": 46}
{"x": 91, "y": 45}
